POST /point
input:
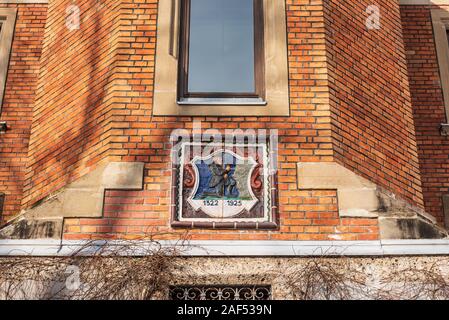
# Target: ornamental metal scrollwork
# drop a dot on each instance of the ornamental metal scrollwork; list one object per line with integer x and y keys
{"x": 249, "y": 292}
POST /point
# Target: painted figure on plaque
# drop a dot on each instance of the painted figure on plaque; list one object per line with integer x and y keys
{"x": 221, "y": 182}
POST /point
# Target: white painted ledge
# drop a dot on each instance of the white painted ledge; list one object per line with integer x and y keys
{"x": 245, "y": 248}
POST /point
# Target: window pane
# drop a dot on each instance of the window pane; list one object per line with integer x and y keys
{"x": 221, "y": 49}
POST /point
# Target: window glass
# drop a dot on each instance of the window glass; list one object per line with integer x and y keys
{"x": 221, "y": 46}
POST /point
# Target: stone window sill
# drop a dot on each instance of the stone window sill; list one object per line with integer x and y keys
{"x": 225, "y": 225}
{"x": 224, "y": 101}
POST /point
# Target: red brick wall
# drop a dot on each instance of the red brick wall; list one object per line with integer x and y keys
{"x": 76, "y": 124}
{"x": 304, "y": 136}
{"x": 19, "y": 100}
{"x": 311, "y": 215}
{"x": 428, "y": 105}
{"x": 372, "y": 120}
{"x": 73, "y": 118}
{"x": 349, "y": 101}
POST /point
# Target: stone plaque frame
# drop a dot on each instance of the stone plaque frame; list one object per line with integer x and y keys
{"x": 186, "y": 209}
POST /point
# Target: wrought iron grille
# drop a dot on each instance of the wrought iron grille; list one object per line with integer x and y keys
{"x": 249, "y": 292}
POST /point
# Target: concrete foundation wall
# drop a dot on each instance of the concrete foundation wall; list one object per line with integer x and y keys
{"x": 363, "y": 278}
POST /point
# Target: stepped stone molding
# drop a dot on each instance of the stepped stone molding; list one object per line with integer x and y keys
{"x": 83, "y": 198}
{"x": 360, "y": 198}
{"x": 357, "y": 197}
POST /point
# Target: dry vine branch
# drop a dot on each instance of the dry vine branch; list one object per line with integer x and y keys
{"x": 338, "y": 279}
{"x": 126, "y": 269}
{"x": 416, "y": 283}
{"x": 144, "y": 269}
{"x": 326, "y": 279}
{"x": 27, "y": 278}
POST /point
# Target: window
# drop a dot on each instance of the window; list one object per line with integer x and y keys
{"x": 221, "y": 58}
{"x": 221, "y": 51}
{"x": 7, "y": 24}
{"x": 440, "y": 19}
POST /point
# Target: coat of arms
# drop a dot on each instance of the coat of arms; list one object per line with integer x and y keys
{"x": 223, "y": 186}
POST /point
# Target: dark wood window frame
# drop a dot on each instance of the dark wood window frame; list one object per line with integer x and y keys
{"x": 447, "y": 34}
{"x": 225, "y": 97}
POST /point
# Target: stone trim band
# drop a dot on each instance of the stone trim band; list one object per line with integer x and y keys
{"x": 243, "y": 248}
